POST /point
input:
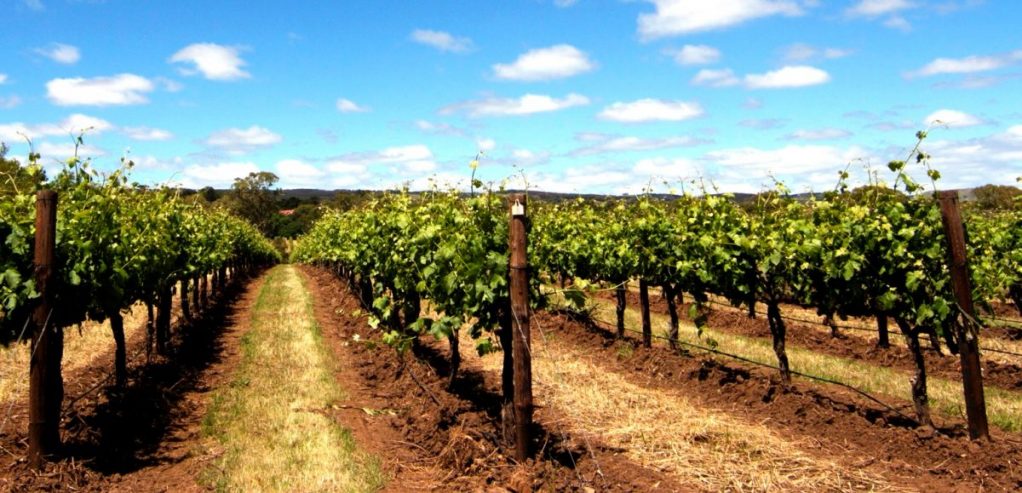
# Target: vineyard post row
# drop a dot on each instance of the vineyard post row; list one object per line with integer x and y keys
{"x": 968, "y": 337}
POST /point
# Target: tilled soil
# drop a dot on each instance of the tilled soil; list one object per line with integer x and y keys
{"x": 432, "y": 438}
{"x": 145, "y": 437}
{"x": 1003, "y": 375}
{"x": 843, "y": 426}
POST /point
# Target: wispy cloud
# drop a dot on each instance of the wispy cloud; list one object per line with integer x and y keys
{"x": 677, "y": 17}
{"x": 442, "y": 41}
{"x": 60, "y": 53}
{"x": 650, "y": 110}
{"x": 349, "y": 106}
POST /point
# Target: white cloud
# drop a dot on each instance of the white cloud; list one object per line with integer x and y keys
{"x": 442, "y": 41}
{"x": 876, "y": 8}
{"x": 819, "y": 134}
{"x": 239, "y": 141}
{"x": 60, "y": 53}
{"x": 215, "y": 62}
{"x": 119, "y": 90}
{"x": 8, "y": 102}
{"x": 697, "y": 55}
{"x": 606, "y": 143}
{"x": 715, "y": 78}
{"x": 786, "y": 77}
{"x": 789, "y": 160}
{"x": 647, "y": 110}
{"x": 952, "y": 119}
{"x": 295, "y": 173}
{"x": 967, "y": 65}
{"x": 661, "y": 167}
{"x": 525, "y": 105}
{"x": 416, "y": 158}
{"x": 147, "y": 133}
{"x": 48, "y": 151}
{"x": 349, "y": 106}
{"x": 3, "y": 79}
{"x": 676, "y": 17}
{"x": 169, "y": 85}
{"x": 71, "y": 126}
{"x": 221, "y": 175}
{"x": 555, "y": 62}
{"x": 36, "y": 5}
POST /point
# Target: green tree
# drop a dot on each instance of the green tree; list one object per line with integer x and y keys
{"x": 254, "y": 198}
{"x": 996, "y": 197}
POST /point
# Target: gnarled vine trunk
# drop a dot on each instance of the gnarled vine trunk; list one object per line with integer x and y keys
{"x": 620, "y": 291}
{"x": 778, "y": 331}
{"x": 920, "y": 398}
{"x": 670, "y": 293}
{"x": 647, "y": 327}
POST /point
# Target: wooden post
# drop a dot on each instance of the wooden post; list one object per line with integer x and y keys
{"x": 968, "y": 332}
{"x": 521, "y": 342}
{"x": 46, "y": 387}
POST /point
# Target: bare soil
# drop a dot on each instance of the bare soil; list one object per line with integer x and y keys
{"x": 432, "y": 438}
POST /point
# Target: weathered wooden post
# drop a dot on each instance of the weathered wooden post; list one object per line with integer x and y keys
{"x": 46, "y": 387}
{"x": 968, "y": 332}
{"x": 521, "y": 342}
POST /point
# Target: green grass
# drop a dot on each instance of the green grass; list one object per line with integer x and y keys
{"x": 270, "y": 422}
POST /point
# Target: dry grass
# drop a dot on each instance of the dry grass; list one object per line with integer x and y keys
{"x": 82, "y": 344}
{"x": 1004, "y": 407}
{"x": 270, "y": 422}
{"x": 664, "y": 430}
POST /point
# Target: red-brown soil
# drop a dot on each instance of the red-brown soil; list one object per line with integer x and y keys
{"x": 451, "y": 440}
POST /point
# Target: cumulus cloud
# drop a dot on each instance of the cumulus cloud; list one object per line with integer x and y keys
{"x": 295, "y": 173}
{"x": 648, "y": 110}
{"x": 221, "y": 175}
{"x": 677, "y": 17}
{"x": 697, "y": 55}
{"x": 787, "y": 77}
{"x": 60, "y": 53}
{"x": 213, "y": 61}
{"x": 442, "y": 41}
{"x": 116, "y": 90}
{"x": 349, "y": 106}
{"x": 952, "y": 119}
{"x": 239, "y": 141}
{"x": 525, "y": 105}
{"x": 668, "y": 168}
{"x": 556, "y": 62}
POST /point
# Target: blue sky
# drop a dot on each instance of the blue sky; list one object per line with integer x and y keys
{"x": 572, "y": 96}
